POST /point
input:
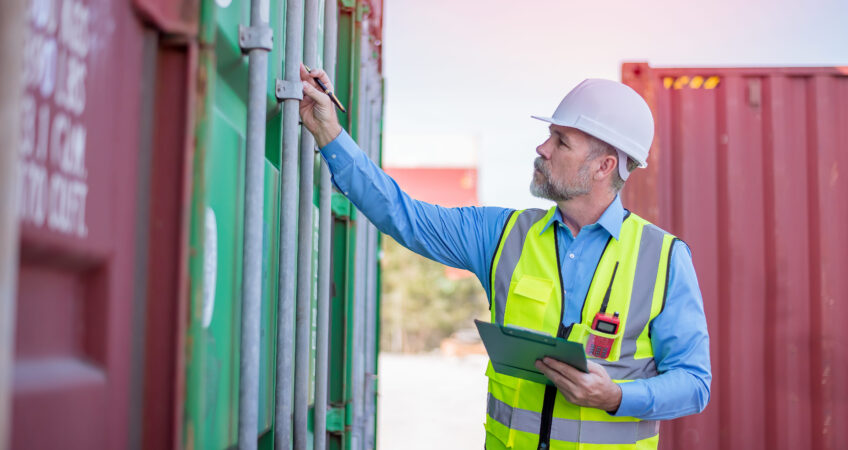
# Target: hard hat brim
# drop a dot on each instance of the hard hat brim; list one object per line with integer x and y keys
{"x": 642, "y": 164}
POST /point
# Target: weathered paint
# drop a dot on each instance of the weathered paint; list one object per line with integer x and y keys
{"x": 212, "y": 371}
{"x": 747, "y": 170}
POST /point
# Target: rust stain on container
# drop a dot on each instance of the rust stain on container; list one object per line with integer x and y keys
{"x": 747, "y": 173}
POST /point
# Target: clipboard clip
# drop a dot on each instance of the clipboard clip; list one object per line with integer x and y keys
{"x": 530, "y": 335}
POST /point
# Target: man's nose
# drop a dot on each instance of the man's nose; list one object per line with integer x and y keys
{"x": 542, "y": 150}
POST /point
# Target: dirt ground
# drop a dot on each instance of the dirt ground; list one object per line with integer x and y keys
{"x": 431, "y": 402}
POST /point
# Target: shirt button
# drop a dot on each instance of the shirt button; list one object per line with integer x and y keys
{"x": 571, "y": 255}
{"x": 333, "y": 156}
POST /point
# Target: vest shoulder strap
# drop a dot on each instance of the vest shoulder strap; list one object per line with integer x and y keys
{"x": 507, "y": 254}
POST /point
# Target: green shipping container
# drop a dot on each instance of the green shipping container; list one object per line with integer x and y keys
{"x": 216, "y": 240}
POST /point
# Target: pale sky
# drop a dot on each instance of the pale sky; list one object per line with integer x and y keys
{"x": 481, "y": 68}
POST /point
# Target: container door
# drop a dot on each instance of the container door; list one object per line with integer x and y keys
{"x": 215, "y": 262}
{"x": 79, "y": 153}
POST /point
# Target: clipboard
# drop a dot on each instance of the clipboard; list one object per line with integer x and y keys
{"x": 514, "y": 351}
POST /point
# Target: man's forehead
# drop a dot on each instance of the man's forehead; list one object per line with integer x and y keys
{"x": 567, "y": 132}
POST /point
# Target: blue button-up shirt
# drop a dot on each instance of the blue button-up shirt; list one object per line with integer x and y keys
{"x": 467, "y": 238}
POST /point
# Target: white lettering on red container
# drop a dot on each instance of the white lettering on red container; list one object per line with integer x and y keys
{"x": 54, "y": 187}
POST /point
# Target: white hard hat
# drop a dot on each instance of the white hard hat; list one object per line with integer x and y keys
{"x": 611, "y": 112}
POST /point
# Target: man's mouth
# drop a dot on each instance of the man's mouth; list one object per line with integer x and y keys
{"x": 538, "y": 166}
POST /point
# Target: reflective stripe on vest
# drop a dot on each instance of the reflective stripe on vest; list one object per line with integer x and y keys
{"x": 647, "y": 266}
{"x": 510, "y": 254}
{"x": 584, "y": 431}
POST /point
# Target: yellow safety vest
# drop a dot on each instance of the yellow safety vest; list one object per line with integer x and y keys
{"x": 526, "y": 291}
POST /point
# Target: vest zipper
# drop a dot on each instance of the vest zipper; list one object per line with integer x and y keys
{"x": 547, "y": 417}
{"x": 551, "y": 391}
{"x": 563, "y": 332}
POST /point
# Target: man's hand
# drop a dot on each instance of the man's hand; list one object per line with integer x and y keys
{"x": 594, "y": 389}
{"x": 317, "y": 110}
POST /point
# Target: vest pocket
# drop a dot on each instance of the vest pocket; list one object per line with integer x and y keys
{"x": 580, "y": 333}
{"x": 528, "y": 305}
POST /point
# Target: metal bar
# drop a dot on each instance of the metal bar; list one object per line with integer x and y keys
{"x": 374, "y": 105}
{"x": 363, "y": 274}
{"x": 370, "y": 339}
{"x": 358, "y": 334}
{"x": 367, "y": 390}
{"x": 289, "y": 192}
{"x": 360, "y": 285}
{"x": 251, "y": 297}
{"x": 304, "y": 242}
{"x": 325, "y": 221}
{"x": 367, "y": 142}
{"x": 12, "y": 32}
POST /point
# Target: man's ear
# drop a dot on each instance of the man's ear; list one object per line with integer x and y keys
{"x": 608, "y": 164}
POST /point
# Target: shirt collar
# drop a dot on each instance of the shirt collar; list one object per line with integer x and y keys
{"x": 610, "y": 220}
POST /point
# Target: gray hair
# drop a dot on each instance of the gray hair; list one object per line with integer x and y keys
{"x": 598, "y": 148}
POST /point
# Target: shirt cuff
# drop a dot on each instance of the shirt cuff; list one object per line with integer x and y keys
{"x": 635, "y": 399}
{"x": 338, "y": 153}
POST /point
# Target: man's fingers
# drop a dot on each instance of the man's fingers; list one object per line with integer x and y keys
{"x": 315, "y": 73}
{"x": 548, "y": 371}
{"x": 555, "y": 376}
{"x": 314, "y": 93}
{"x": 596, "y": 368}
{"x": 306, "y": 77}
{"x": 321, "y": 75}
{"x": 568, "y": 372}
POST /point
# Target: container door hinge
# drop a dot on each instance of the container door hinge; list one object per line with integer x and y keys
{"x": 257, "y": 37}
{"x": 335, "y": 419}
{"x": 288, "y": 90}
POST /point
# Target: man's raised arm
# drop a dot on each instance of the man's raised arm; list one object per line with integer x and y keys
{"x": 458, "y": 237}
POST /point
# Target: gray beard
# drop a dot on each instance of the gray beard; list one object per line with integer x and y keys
{"x": 543, "y": 186}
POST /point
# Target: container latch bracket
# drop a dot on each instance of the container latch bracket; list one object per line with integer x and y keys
{"x": 256, "y": 37}
{"x": 288, "y": 90}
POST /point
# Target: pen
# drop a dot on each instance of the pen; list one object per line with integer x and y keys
{"x": 327, "y": 91}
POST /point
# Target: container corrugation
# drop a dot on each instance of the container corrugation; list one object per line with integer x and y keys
{"x": 748, "y": 166}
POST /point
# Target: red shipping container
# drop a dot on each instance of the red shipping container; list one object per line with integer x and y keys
{"x": 445, "y": 186}
{"x": 747, "y": 167}
{"x": 103, "y": 135}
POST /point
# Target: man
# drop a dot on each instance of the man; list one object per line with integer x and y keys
{"x": 556, "y": 271}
